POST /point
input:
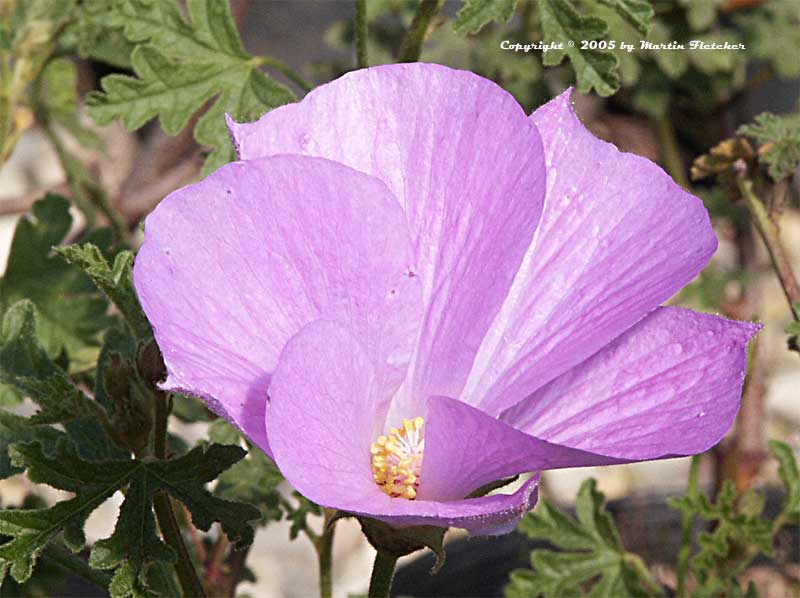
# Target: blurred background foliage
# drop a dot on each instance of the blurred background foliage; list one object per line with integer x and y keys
{"x": 123, "y": 101}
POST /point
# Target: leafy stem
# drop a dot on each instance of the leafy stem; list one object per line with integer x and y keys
{"x": 770, "y": 235}
{"x": 411, "y": 48}
{"x": 382, "y": 573}
{"x": 687, "y": 521}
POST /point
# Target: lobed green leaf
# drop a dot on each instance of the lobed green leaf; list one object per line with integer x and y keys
{"x": 592, "y": 553}
{"x": 71, "y": 312}
{"x": 637, "y": 13}
{"x": 476, "y": 14}
{"x": 116, "y": 282}
{"x": 779, "y": 142}
{"x": 25, "y": 365}
{"x": 562, "y": 23}
{"x": 181, "y": 64}
{"x": 790, "y": 476}
{"x": 133, "y": 546}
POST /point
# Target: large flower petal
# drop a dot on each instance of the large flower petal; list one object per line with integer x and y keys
{"x": 233, "y": 266}
{"x": 465, "y": 449}
{"x": 617, "y": 238}
{"x": 324, "y": 411}
{"x": 669, "y": 386}
{"x": 468, "y": 168}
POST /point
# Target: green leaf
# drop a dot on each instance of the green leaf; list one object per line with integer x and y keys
{"x": 779, "y": 142}
{"x": 25, "y": 365}
{"x": 738, "y": 534}
{"x": 59, "y": 97}
{"x": 15, "y": 428}
{"x": 476, "y": 14}
{"x": 134, "y": 545}
{"x": 253, "y": 480}
{"x": 637, "y": 13}
{"x": 32, "y": 529}
{"x": 592, "y": 553}
{"x": 299, "y": 515}
{"x": 97, "y": 36}
{"x": 71, "y": 311}
{"x": 116, "y": 282}
{"x": 562, "y": 23}
{"x": 789, "y": 474}
{"x": 180, "y": 65}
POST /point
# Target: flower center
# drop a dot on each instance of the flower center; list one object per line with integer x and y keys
{"x": 397, "y": 459}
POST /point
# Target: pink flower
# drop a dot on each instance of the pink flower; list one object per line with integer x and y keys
{"x": 406, "y": 249}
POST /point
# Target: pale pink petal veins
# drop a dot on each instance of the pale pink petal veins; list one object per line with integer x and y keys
{"x": 468, "y": 168}
{"x": 617, "y": 237}
{"x": 233, "y": 266}
{"x": 325, "y": 410}
{"x": 669, "y": 386}
{"x": 465, "y": 449}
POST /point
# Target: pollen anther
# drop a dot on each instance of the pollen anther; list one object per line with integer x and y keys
{"x": 397, "y": 459}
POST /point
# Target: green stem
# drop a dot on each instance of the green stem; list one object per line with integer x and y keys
{"x": 411, "y": 48}
{"x": 361, "y": 34}
{"x": 324, "y": 547}
{"x": 165, "y": 514}
{"x": 382, "y": 573}
{"x": 168, "y": 523}
{"x": 285, "y": 70}
{"x": 670, "y": 151}
{"x": 61, "y": 557}
{"x": 687, "y": 522}
{"x": 771, "y": 237}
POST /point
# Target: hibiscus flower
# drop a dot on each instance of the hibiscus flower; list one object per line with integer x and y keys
{"x": 406, "y": 289}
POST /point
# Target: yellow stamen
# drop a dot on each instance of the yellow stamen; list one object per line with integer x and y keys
{"x": 397, "y": 459}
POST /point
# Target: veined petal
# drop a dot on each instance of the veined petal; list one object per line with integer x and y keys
{"x": 324, "y": 412}
{"x": 617, "y": 238}
{"x": 466, "y": 165}
{"x": 233, "y": 266}
{"x": 670, "y": 386}
{"x": 465, "y": 449}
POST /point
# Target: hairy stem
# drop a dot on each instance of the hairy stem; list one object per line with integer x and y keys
{"x": 187, "y": 576}
{"x": 324, "y": 548}
{"x": 411, "y": 48}
{"x": 165, "y": 514}
{"x": 670, "y": 151}
{"x": 687, "y": 522}
{"x": 360, "y": 26}
{"x": 771, "y": 237}
{"x": 382, "y": 573}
